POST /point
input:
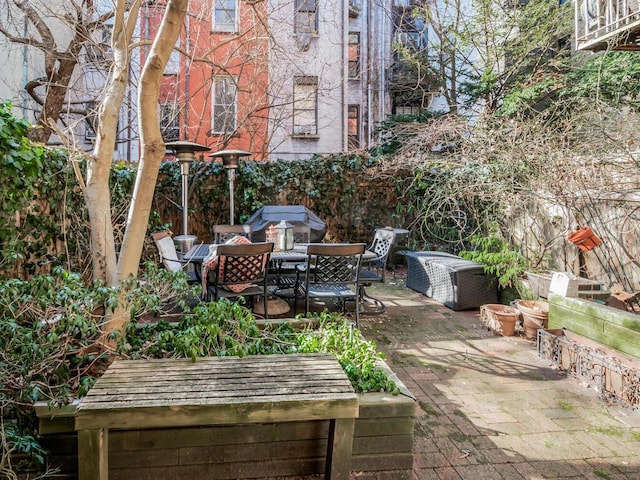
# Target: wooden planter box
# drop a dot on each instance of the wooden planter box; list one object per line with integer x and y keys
{"x": 382, "y": 446}
{"x": 540, "y": 282}
{"x": 616, "y": 329}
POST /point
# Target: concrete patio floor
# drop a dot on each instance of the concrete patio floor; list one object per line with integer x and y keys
{"x": 488, "y": 407}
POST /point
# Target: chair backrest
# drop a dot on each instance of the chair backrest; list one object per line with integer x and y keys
{"x": 301, "y": 233}
{"x": 383, "y": 240}
{"x": 167, "y": 250}
{"x": 333, "y": 263}
{"x": 223, "y": 233}
{"x": 240, "y": 264}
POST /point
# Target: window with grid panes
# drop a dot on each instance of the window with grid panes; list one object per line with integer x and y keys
{"x": 305, "y": 106}
{"x": 354, "y": 54}
{"x": 306, "y": 16}
{"x": 223, "y": 105}
{"x": 353, "y": 127}
{"x": 170, "y": 121}
{"x": 225, "y": 15}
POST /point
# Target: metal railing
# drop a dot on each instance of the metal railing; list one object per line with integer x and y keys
{"x": 603, "y": 23}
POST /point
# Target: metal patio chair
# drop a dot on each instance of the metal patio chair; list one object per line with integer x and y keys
{"x": 169, "y": 255}
{"x": 383, "y": 240}
{"x": 332, "y": 271}
{"x": 240, "y": 271}
{"x": 223, "y": 233}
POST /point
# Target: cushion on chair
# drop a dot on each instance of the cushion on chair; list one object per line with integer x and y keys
{"x": 211, "y": 262}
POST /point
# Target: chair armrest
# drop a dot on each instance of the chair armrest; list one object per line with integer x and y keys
{"x": 175, "y": 260}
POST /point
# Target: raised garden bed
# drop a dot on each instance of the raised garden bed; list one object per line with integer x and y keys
{"x": 613, "y": 328}
{"x": 382, "y": 446}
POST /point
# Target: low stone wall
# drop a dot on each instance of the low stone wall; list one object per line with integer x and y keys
{"x": 382, "y": 447}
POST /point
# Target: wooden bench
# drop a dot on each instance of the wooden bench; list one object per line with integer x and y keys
{"x": 142, "y": 394}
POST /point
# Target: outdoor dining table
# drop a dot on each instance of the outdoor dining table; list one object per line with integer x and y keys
{"x": 198, "y": 253}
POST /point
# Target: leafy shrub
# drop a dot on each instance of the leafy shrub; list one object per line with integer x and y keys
{"x": 53, "y": 350}
{"x": 498, "y": 257}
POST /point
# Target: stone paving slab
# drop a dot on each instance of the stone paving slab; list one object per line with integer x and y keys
{"x": 489, "y": 408}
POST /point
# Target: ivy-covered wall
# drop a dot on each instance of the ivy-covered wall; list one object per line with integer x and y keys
{"x": 349, "y": 194}
{"x": 44, "y": 221}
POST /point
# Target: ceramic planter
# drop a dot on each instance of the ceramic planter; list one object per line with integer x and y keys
{"x": 501, "y": 318}
{"x": 535, "y": 315}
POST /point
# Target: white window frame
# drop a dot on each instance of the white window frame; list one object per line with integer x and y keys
{"x": 220, "y": 107}
{"x": 220, "y": 7}
{"x": 305, "y": 106}
{"x": 354, "y": 65}
{"x": 169, "y": 113}
{"x": 353, "y": 137}
{"x": 306, "y": 16}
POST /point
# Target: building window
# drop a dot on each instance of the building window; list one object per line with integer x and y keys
{"x": 406, "y": 110}
{"x": 224, "y": 105}
{"x": 170, "y": 121}
{"x": 354, "y": 54}
{"x": 225, "y": 15}
{"x": 411, "y": 33}
{"x": 173, "y": 64}
{"x": 305, "y": 106}
{"x": 353, "y": 127}
{"x": 91, "y": 120}
{"x": 306, "y": 16}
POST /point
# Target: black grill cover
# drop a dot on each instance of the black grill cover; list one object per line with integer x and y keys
{"x": 294, "y": 214}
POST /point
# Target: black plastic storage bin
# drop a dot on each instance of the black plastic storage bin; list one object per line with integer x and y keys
{"x": 453, "y": 281}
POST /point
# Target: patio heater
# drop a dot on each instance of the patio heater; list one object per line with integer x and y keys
{"x": 230, "y": 160}
{"x": 185, "y": 154}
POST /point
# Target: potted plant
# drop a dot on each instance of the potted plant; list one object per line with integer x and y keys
{"x": 502, "y": 260}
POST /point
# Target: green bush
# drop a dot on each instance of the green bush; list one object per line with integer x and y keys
{"x": 53, "y": 350}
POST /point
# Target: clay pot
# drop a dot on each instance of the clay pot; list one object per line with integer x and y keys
{"x": 585, "y": 239}
{"x": 505, "y": 318}
{"x": 535, "y": 315}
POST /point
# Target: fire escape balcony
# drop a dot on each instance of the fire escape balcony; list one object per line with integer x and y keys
{"x": 607, "y": 24}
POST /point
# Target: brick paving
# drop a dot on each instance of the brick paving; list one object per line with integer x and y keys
{"x": 488, "y": 407}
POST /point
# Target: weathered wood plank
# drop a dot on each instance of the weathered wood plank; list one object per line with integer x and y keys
{"x": 222, "y": 414}
{"x": 383, "y": 444}
{"x": 614, "y": 328}
{"x": 215, "y": 390}
{"x": 218, "y": 391}
{"x": 93, "y": 454}
{"x": 373, "y": 463}
{"x": 374, "y": 427}
{"x": 236, "y": 435}
{"x": 230, "y": 471}
{"x": 377, "y": 405}
{"x": 339, "y": 447}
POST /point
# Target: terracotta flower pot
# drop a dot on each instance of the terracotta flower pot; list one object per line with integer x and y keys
{"x": 503, "y": 318}
{"x": 535, "y": 315}
{"x": 585, "y": 239}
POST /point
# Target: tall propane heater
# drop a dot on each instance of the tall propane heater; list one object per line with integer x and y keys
{"x": 185, "y": 155}
{"x": 230, "y": 160}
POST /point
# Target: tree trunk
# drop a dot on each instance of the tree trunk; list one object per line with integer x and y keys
{"x": 98, "y": 194}
{"x": 153, "y": 148}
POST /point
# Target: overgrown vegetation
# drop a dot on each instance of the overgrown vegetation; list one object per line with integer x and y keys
{"x": 52, "y": 352}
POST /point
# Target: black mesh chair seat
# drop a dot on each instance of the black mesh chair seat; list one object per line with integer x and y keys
{"x": 332, "y": 272}
{"x": 240, "y": 271}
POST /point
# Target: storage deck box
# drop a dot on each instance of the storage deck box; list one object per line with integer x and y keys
{"x": 453, "y": 281}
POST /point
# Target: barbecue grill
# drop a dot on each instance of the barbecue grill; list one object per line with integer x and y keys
{"x": 294, "y": 214}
